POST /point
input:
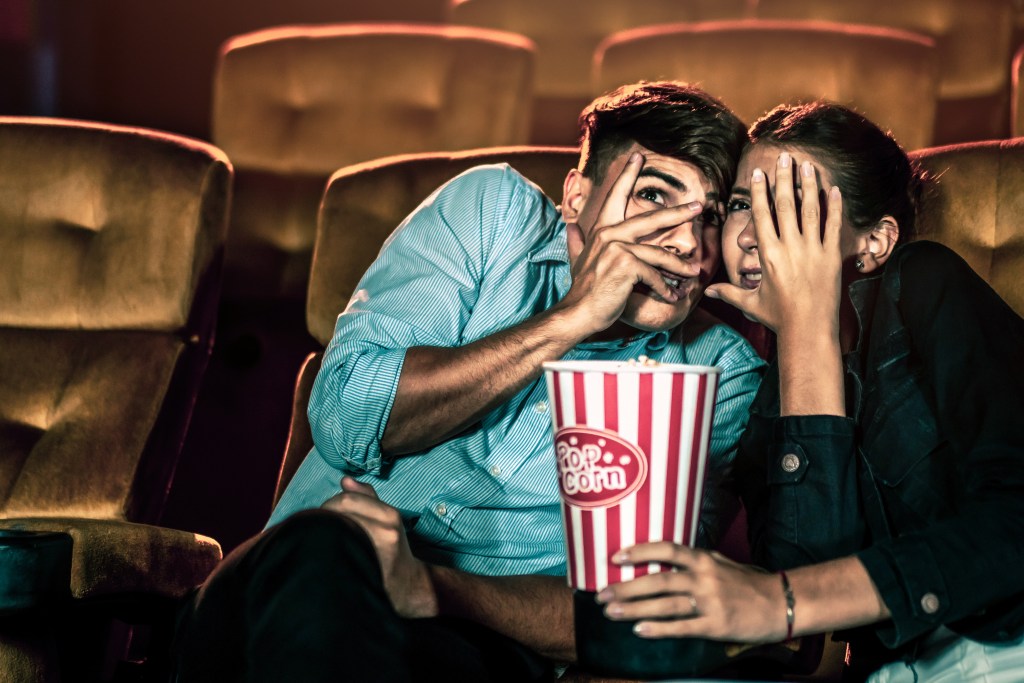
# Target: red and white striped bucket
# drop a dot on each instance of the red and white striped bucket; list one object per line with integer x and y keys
{"x": 631, "y": 442}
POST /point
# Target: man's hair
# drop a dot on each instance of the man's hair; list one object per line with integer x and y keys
{"x": 667, "y": 117}
{"x": 872, "y": 171}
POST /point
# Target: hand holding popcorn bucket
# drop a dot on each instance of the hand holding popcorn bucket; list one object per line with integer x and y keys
{"x": 631, "y": 445}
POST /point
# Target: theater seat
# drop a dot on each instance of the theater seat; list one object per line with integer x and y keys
{"x": 566, "y": 33}
{"x": 293, "y": 104}
{"x": 110, "y": 248}
{"x": 974, "y": 43}
{"x": 1017, "y": 94}
{"x": 974, "y": 207}
{"x": 752, "y": 65}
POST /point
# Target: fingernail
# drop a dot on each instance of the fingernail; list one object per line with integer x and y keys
{"x": 833, "y": 193}
{"x": 806, "y": 170}
{"x": 634, "y": 157}
{"x": 711, "y": 293}
{"x": 784, "y": 160}
{"x": 694, "y": 206}
{"x": 640, "y": 628}
{"x": 613, "y": 610}
{"x": 621, "y": 556}
{"x": 604, "y": 596}
{"x": 757, "y": 176}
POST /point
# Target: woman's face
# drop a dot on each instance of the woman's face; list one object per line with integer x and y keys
{"x": 739, "y": 243}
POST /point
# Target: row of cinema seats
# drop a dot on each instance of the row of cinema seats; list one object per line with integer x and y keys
{"x": 151, "y": 64}
{"x": 973, "y": 41}
{"x": 111, "y": 242}
{"x": 292, "y": 104}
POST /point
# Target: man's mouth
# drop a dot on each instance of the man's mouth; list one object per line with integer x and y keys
{"x": 681, "y": 284}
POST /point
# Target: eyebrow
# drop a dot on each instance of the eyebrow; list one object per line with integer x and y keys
{"x": 667, "y": 178}
{"x": 742, "y": 191}
{"x": 671, "y": 181}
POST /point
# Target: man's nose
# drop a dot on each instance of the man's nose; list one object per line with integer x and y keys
{"x": 682, "y": 240}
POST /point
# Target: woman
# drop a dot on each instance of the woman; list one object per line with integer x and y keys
{"x": 882, "y": 468}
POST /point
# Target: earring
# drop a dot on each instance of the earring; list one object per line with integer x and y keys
{"x": 858, "y": 264}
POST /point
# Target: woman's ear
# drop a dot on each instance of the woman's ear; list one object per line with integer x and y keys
{"x": 876, "y": 244}
{"x": 575, "y": 191}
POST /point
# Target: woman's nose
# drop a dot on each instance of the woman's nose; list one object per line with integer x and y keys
{"x": 747, "y": 239}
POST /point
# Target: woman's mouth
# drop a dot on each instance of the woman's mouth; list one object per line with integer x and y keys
{"x": 750, "y": 278}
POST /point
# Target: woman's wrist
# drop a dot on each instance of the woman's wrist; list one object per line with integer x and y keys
{"x": 811, "y": 375}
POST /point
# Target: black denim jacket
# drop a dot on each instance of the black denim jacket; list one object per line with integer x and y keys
{"x": 924, "y": 481}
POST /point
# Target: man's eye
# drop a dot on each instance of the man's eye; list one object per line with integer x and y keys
{"x": 649, "y": 194}
{"x": 737, "y": 205}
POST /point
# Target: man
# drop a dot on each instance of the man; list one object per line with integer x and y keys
{"x": 421, "y": 537}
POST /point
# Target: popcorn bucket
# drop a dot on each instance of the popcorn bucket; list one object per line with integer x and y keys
{"x": 631, "y": 444}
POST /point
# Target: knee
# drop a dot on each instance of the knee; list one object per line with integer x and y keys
{"x": 319, "y": 537}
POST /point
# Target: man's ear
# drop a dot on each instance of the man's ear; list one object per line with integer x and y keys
{"x": 876, "y": 245}
{"x": 575, "y": 191}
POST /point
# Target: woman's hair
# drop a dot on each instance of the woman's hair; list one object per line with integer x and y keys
{"x": 872, "y": 171}
{"x": 666, "y": 117}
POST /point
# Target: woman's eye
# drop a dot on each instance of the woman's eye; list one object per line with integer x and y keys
{"x": 650, "y": 194}
{"x": 737, "y": 205}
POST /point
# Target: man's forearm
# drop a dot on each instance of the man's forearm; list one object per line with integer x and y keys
{"x": 534, "y": 610}
{"x": 444, "y": 390}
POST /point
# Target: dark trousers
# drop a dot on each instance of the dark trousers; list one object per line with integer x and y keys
{"x": 304, "y": 601}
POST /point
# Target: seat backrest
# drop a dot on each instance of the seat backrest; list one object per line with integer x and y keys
{"x": 752, "y": 65}
{"x": 1017, "y": 94}
{"x": 974, "y": 205}
{"x": 973, "y": 38}
{"x": 110, "y": 245}
{"x": 567, "y": 32}
{"x": 311, "y": 99}
{"x": 293, "y": 104}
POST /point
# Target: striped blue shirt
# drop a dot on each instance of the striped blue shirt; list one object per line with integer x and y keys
{"x": 484, "y": 252}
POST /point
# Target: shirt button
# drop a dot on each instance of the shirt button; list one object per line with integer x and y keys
{"x": 441, "y": 509}
{"x": 541, "y": 407}
{"x": 790, "y": 462}
{"x": 930, "y": 603}
{"x": 495, "y": 471}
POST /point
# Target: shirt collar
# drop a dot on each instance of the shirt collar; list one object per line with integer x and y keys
{"x": 649, "y": 341}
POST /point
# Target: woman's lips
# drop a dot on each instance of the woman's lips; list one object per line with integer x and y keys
{"x": 750, "y": 278}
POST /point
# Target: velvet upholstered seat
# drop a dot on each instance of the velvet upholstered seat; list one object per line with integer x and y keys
{"x": 974, "y": 40}
{"x": 294, "y": 104}
{"x": 752, "y": 65}
{"x": 974, "y": 206}
{"x": 110, "y": 247}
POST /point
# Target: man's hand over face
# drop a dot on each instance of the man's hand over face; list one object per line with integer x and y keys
{"x": 612, "y": 260}
{"x": 406, "y": 578}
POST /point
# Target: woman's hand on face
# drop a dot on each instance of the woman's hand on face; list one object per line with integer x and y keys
{"x": 707, "y": 596}
{"x": 801, "y": 265}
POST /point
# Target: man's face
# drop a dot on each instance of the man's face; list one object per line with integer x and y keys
{"x": 663, "y": 182}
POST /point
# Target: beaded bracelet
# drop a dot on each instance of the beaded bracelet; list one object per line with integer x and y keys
{"x": 790, "y": 604}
